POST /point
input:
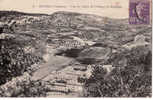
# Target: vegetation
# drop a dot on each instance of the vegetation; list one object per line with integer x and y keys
{"x": 131, "y": 80}
{"x": 8, "y": 13}
{"x": 131, "y": 76}
{"x": 32, "y": 89}
{"x": 23, "y": 86}
{"x": 13, "y": 60}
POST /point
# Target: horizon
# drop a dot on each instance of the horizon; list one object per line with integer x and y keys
{"x": 59, "y": 12}
{"x": 50, "y": 7}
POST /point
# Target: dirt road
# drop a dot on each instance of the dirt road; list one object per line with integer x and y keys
{"x": 54, "y": 63}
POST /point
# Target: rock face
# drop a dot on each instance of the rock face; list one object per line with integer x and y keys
{"x": 139, "y": 40}
{"x": 109, "y": 68}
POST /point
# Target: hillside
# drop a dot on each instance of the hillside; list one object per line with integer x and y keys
{"x": 71, "y": 42}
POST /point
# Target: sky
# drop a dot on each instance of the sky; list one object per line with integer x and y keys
{"x": 106, "y": 8}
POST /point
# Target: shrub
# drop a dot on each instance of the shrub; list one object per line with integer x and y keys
{"x": 32, "y": 89}
{"x": 13, "y": 60}
{"x": 132, "y": 80}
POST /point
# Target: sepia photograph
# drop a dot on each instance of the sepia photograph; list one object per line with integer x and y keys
{"x": 76, "y": 48}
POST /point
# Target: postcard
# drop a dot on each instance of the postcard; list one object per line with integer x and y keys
{"x": 76, "y": 48}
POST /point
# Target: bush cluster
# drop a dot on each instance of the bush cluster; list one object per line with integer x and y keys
{"x": 132, "y": 79}
{"x": 13, "y": 60}
{"x": 32, "y": 89}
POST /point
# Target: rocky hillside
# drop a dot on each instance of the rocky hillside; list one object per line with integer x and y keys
{"x": 65, "y": 38}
